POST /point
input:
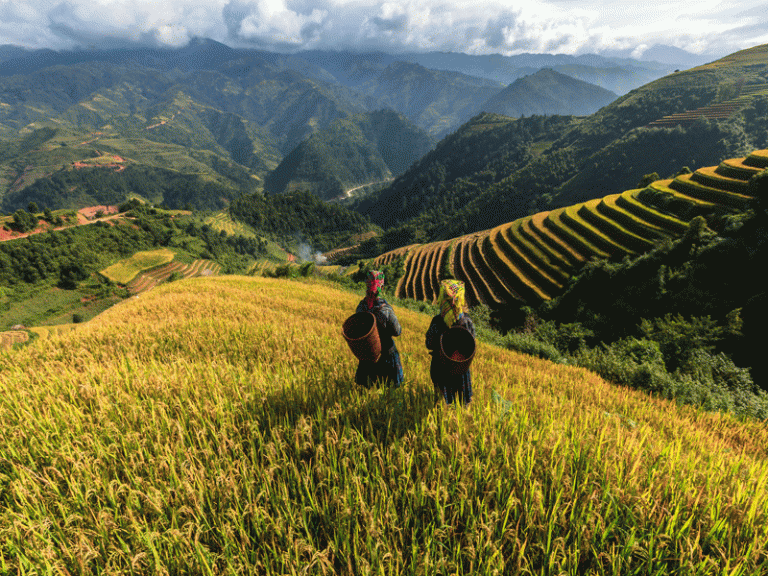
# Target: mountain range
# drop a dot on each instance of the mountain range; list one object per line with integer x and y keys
{"x": 226, "y": 117}
{"x": 351, "y": 152}
{"x": 206, "y": 123}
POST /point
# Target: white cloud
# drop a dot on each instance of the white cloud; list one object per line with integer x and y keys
{"x": 488, "y": 26}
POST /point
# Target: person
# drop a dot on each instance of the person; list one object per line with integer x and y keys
{"x": 453, "y": 312}
{"x": 388, "y": 368}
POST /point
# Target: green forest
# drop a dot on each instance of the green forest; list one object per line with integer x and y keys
{"x": 300, "y": 217}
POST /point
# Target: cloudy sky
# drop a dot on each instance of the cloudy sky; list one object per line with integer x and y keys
{"x": 475, "y": 27}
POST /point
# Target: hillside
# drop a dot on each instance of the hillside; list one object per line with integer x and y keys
{"x": 75, "y": 265}
{"x": 531, "y": 259}
{"x": 605, "y": 153}
{"x": 351, "y": 152}
{"x": 202, "y": 444}
{"x": 481, "y": 153}
{"x": 548, "y": 92}
{"x": 223, "y": 124}
{"x": 220, "y": 117}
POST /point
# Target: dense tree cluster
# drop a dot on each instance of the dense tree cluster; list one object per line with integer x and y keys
{"x": 89, "y": 186}
{"x": 299, "y": 215}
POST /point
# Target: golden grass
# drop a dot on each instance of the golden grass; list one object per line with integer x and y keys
{"x": 212, "y": 427}
{"x": 48, "y": 331}
{"x": 126, "y": 270}
{"x": 222, "y": 221}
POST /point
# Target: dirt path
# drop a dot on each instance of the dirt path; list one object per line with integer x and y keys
{"x": 84, "y": 217}
{"x": 348, "y": 193}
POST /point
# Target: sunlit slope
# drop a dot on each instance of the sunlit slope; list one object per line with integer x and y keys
{"x": 212, "y": 426}
{"x": 531, "y": 258}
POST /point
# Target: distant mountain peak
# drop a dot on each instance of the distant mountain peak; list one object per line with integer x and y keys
{"x": 674, "y": 56}
{"x": 548, "y": 92}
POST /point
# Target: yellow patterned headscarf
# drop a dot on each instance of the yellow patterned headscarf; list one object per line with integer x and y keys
{"x": 451, "y": 301}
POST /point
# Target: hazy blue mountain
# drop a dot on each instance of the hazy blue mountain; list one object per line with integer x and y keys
{"x": 618, "y": 74}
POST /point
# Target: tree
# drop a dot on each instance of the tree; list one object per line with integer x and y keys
{"x": 33, "y": 209}
{"x": 648, "y": 179}
{"x": 697, "y": 233}
{"x": 23, "y": 221}
{"x": 72, "y": 273}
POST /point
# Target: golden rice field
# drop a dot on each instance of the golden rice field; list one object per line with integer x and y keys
{"x": 212, "y": 427}
{"x": 126, "y": 270}
{"x": 223, "y": 221}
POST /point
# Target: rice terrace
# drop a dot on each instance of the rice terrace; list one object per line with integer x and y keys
{"x": 531, "y": 259}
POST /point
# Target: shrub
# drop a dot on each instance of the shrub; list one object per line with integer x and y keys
{"x": 678, "y": 338}
{"x": 528, "y": 343}
{"x": 307, "y": 269}
{"x": 648, "y": 179}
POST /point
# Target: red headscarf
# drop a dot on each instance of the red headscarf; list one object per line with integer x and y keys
{"x": 373, "y": 282}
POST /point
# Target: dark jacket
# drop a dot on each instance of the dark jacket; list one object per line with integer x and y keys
{"x": 389, "y": 368}
{"x": 450, "y": 386}
{"x": 386, "y": 322}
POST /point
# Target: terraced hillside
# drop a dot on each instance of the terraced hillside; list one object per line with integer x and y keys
{"x": 148, "y": 280}
{"x": 716, "y": 111}
{"x": 532, "y": 258}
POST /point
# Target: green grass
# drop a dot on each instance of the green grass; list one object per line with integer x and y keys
{"x": 48, "y": 305}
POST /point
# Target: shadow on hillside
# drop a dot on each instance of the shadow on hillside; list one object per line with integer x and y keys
{"x": 380, "y": 415}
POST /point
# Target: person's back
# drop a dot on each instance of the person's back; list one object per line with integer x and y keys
{"x": 386, "y": 321}
{"x": 388, "y": 368}
{"x": 452, "y": 314}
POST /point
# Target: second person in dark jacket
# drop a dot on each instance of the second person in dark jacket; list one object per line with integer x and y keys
{"x": 453, "y": 312}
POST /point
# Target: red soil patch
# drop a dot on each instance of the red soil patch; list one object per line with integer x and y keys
{"x": 291, "y": 257}
{"x": 90, "y": 211}
{"x": 117, "y": 167}
{"x": 8, "y": 235}
{"x": 42, "y": 226}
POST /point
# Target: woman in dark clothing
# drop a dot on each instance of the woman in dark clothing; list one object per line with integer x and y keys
{"x": 452, "y": 313}
{"x": 388, "y": 368}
